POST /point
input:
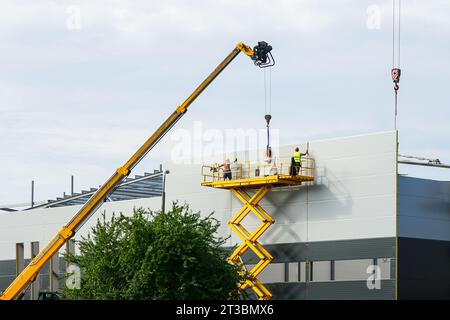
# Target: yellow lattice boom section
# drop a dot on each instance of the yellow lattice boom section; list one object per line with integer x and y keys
{"x": 261, "y": 179}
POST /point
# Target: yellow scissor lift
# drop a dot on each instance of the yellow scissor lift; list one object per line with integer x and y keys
{"x": 261, "y": 179}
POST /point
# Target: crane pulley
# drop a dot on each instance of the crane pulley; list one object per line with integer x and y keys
{"x": 262, "y": 55}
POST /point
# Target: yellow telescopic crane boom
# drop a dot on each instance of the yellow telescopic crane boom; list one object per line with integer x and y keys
{"x": 261, "y": 56}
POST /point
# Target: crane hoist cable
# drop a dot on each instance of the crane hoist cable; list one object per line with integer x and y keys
{"x": 396, "y": 71}
{"x": 266, "y": 49}
{"x": 268, "y": 108}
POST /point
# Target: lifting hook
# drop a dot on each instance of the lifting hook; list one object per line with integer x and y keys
{"x": 395, "y": 73}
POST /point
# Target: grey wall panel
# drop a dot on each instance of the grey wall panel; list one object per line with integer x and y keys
{"x": 330, "y": 250}
{"x": 424, "y": 208}
{"x": 7, "y": 273}
{"x": 7, "y": 267}
{"x": 274, "y": 272}
{"x": 5, "y": 281}
{"x": 424, "y": 187}
{"x": 287, "y": 291}
{"x": 352, "y": 269}
{"x": 340, "y": 290}
{"x": 321, "y": 271}
{"x": 424, "y": 228}
{"x": 423, "y": 269}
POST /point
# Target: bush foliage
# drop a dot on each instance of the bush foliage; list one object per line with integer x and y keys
{"x": 155, "y": 255}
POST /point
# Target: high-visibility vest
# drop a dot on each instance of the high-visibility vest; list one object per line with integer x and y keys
{"x": 297, "y": 156}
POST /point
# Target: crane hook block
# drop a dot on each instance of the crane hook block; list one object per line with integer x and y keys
{"x": 395, "y": 74}
{"x": 268, "y": 117}
{"x": 262, "y": 55}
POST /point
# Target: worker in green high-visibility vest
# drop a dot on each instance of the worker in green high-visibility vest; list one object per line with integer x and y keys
{"x": 297, "y": 160}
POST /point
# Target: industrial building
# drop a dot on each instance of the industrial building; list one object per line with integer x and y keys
{"x": 359, "y": 229}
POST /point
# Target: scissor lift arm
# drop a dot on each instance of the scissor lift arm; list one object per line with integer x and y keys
{"x": 261, "y": 56}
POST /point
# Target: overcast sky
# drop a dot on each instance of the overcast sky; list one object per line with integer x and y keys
{"x": 84, "y": 83}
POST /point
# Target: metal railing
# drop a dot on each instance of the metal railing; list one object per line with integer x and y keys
{"x": 248, "y": 169}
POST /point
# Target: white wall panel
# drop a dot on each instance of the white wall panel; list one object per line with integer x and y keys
{"x": 354, "y": 195}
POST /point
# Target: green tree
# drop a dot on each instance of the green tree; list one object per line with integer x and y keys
{"x": 155, "y": 255}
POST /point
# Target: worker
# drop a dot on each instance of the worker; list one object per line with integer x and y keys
{"x": 292, "y": 171}
{"x": 226, "y": 169}
{"x": 297, "y": 157}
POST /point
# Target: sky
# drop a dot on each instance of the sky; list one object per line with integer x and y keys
{"x": 84, "y": 83}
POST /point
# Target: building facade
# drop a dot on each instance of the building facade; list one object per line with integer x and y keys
{"x": 360, "y": 231}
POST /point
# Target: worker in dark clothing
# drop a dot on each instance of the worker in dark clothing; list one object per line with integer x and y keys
{"x": 297, "y": 157}
{"x": 292, "y": 171}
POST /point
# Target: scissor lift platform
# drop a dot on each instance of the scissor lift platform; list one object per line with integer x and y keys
{"x": 260, "y": 186}
{"x": 279, "y": 180}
